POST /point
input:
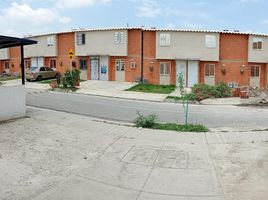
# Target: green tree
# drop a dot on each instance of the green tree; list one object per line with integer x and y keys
{"x": 185, "y": 98}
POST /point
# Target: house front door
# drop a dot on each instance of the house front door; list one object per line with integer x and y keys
{"x": 94, "y": 69}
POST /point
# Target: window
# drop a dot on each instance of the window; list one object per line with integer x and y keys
{"x": 52, "y": 63}
{"x": 6, "y": 64}
{"x": 211, "y": 41}
{"x": 209, "y": 69}
{"x": 50, "y": 40}
{"x": 81, "y": 38}
{"x": 27, "y": 64}
{"x": 132, "y": 65}
{"x": 255, "y": 71}
{"x": 83, "y": 64}
{"x": 42, "y": 69}
{"x": 164, "y": 39}
{"x": 165, "y": 68}
{"x": 257, "y": 43}
{"x": 119, "y": 37}
{"x": 120, "y": 65}
{"x": 73, "y": 64}
{"x": 48, "y": 69}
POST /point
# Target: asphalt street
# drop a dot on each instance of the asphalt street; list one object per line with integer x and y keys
{"x": 126, "y": 110}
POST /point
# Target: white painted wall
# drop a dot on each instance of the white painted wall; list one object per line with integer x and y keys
{"x": 102, "y": 43}
{"x": 4, "y": 54}
{"x": 187, "y": 46}
{"x": 258, "y": 56}
{"x": 41, "y": 49}
{"x": 12, "y": 103}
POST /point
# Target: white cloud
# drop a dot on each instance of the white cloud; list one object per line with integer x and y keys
{"x": 248, "y": 1}
{"x": 148, "y": 8}
{"x": 151, "y": 8}
{"x": 22, "y": 18}
{"x": 79, "y": 3}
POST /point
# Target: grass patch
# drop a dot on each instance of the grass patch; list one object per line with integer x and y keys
{"x": 174, "y": 98}
{"x": 161, "y": 89}
{"x": 181, "y": 128}
{"x": 9, "y": 78}
{"x": 151, "y": 121}
{"x": 48, "y": 81}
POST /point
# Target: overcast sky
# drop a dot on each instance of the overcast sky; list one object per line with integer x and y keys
{"x": 22, "y": 17}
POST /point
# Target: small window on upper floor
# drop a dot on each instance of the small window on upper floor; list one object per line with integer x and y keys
{"x": 211, "y": 41}
{"x": 81, "y": 38}
{"x": 119, "y": 38}
{"x": 50, "y": 40}
{"x": 164, "y": 39}
{"x": 257, "y": 43}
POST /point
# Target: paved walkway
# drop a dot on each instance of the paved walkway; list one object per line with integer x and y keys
{"x": 52, "y": 156}
{"x": 117, "y": 90}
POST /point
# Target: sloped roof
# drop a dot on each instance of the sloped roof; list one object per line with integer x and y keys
{"x": 153, "y": 29}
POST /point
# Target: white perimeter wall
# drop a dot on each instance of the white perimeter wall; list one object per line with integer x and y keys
{"x": 12, "y": 102}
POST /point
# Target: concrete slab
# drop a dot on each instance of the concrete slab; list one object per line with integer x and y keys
{"x": 120, "y": 174}
{"x": 141, "y": 156}
{"x": 172, "y": 159}
{"x": 245, "y": 137}
{"x": 214, "y": 138}
{"x": 84, "y": 189}
{"x": 116, "y": 152}
{"x": 183, "y": 182}
{"x": 243, "y": 169}
{"x": 150, "y": 196}
{"x": 199, "y": 160}
{"x": 158, "y": 135}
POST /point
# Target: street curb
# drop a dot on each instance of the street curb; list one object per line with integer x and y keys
{"x": 96, "y": 95}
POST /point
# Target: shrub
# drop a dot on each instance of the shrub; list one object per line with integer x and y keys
{"x": 146, "y": 121}
{"x": 190, "y": 96}
{"x": 203, "y": 91}
{"x": 222, "y": 90}
{"x": 70, "y": 78}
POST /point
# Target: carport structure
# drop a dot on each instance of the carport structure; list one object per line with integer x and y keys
{"x": 6, "y": 42}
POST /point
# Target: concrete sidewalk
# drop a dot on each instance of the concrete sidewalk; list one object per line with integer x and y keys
{"x": 117, "y": 90}
{"x": 52, "y": 156}
{"x": 28, "y": 85}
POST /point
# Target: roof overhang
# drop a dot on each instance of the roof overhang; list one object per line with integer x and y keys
{"x": 7, "y": 41}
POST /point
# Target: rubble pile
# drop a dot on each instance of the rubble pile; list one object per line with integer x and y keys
{"x": 258, "y": 96}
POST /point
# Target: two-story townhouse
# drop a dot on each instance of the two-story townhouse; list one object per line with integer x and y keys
{"x": 103, "y": 53}
{"x": 258, "y": 60}
{"x": 242, "y": 61}
{"x": 45, "y": 53}
{"x": 182, "y": 52}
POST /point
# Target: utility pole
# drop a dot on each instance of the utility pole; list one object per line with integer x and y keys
{"x": 142, "y": 56}
{"x": 22, "y": 64}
